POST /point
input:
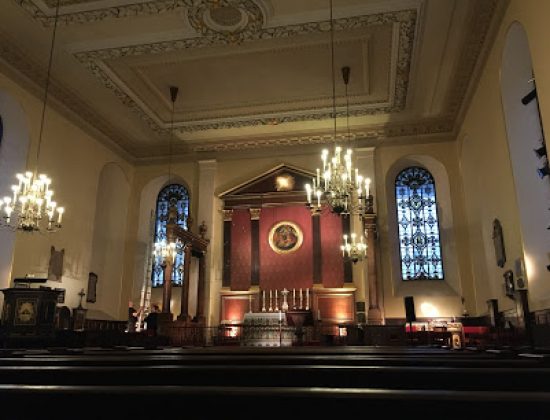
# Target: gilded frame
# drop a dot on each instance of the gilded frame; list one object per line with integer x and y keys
{"x": 295, "y": 245}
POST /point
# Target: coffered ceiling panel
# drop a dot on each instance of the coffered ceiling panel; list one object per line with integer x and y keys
{"x": 265, "y": 79}
{"x": 253, "y": 74}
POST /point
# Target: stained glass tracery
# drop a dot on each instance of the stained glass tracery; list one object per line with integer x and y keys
{"x": 419, "y": 241}
{"x": 171, "y": 195}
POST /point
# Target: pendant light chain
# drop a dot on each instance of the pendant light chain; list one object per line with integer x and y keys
{"x": 47, "y": 87}
{"x": 332, "y": 71}
{"x": 173, "y": 97}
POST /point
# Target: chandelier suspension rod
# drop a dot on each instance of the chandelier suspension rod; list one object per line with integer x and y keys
{"x": 332, "y": 70}
{"x": 346, "y": 81}
{"x": 47, "y": 87}
{"x": 173, "y": 97}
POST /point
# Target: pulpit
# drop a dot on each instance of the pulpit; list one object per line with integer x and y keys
{"x": 29, "y": 312}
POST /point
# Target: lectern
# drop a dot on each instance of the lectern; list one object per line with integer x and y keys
{"x": 299, "y": 319}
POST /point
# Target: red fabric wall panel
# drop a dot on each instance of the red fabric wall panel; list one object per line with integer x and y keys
{"x": 332, "y": 270}
{"x": 292, "y": 270}
{"x": 335, "y": 308}
{"x": 234, "y": 308}
{"x": 240, "y": 250}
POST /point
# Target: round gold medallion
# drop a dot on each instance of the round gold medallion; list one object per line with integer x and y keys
{"x": 285, "y": 237}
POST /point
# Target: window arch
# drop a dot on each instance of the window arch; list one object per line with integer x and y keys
{"x": 418, "y": 224}
{"x": 173, "y": 194}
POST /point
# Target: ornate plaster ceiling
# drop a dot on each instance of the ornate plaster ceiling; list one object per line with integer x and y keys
{"x": 253, "y": 74}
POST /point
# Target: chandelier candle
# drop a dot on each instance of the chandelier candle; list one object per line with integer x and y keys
{"x": 32, "y": 199}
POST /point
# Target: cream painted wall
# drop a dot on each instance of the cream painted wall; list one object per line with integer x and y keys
{"x": 74, "y": 161}
{"x": 109, "y": 240}
{"x": 486, "y": 168}
{"x": 443, "y": 297}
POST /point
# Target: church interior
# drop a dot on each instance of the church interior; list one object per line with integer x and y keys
{"x": 206, "y": 197}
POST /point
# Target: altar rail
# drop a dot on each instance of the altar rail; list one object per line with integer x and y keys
{"x": 189, "y": 334}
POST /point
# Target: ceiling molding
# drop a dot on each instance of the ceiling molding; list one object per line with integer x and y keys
{"x": 480, "y": 17}
{"x": 403, "y": 20}
{"x": 433, "y": 126}
{"x": 33, "y": 78}
{"x": 483, "y": 23}
{"x": 492, "y": 19}
{"x": 288, "y": 147}
{"x": 68, "y": 17}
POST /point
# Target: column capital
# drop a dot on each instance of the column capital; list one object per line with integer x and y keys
{"x": 227, "y": 215}
{"x": 370, "y": 225}
{"x": 315, "y": 212}
{"x": 255, "y": 213}
{"x": 208, "y": 164}
{"x": 369, "y": 220}
{"x": 364, "y": 151}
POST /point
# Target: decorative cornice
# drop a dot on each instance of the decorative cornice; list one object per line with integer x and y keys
{"x": 467, "y": 67}
{"x": 116, "y": 12}
{"x": 375, "y": 133}
{"x": 480, "y": 17}
{"x": 34, "y": 77}
{"x": 199, "y": 13}
{"x": 406, "y": 19}
{"x": 473, "y": 65}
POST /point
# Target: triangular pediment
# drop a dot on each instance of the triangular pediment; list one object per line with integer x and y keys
{"x": 279, "y": 184}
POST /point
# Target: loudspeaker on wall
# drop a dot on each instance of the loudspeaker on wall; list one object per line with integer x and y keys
{"x": 409, "y": 309}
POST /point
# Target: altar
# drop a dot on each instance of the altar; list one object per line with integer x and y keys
{"x": 266, "y": 329}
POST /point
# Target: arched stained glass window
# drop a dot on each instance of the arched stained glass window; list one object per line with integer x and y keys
{"x": 173, "y": 194}
{"x": 420, "y": 247}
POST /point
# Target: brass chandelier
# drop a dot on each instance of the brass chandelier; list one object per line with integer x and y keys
{"x": 338, "y": 183}
{"x": 30, "y": 207}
